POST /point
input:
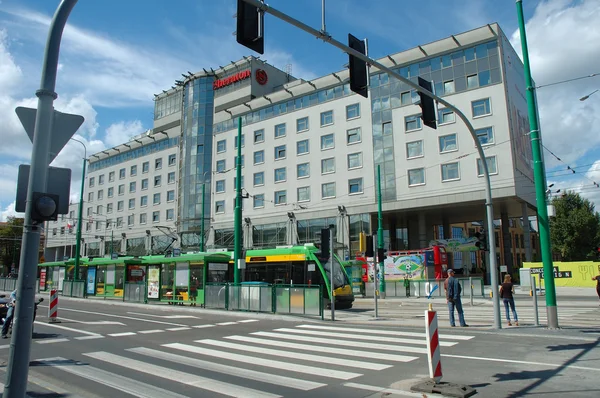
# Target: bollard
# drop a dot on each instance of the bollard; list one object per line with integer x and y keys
{"x": 433, "y": 345}
{"x": 53, "y": 308}
{"x": 535, "y": 304}
{"x": 471, "y": 294}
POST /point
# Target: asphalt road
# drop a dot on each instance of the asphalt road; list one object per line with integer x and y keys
{"x": 103, "y": 349}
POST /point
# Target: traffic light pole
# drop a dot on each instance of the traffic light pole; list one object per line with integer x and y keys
{"x": 18, "y": 361}
{"x": 237, "y": 222}
{"x": 79, "y": 222}
{"x": 488, "y": 189}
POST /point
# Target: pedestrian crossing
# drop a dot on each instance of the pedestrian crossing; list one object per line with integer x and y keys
{"x": 267, "y": 363}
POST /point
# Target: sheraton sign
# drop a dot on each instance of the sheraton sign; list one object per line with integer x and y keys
{"x": 217, "y": 84}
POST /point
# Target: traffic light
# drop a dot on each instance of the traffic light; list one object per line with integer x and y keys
{"x": 250, "y": 27}
{"x": 45, "y": 207}
{"x": 359, "y": 78}
{"x": 481, "y": 240}
{"x": 427, "y": 105}
{"x": 325, "y": 243}
{"x": 369, "y": 251}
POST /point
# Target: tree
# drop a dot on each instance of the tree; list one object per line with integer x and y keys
{"x": 11, "y": 233}
{"x": 575, "y": 231}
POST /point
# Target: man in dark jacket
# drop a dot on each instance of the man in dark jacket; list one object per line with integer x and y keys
{"x": 453, "y": 291}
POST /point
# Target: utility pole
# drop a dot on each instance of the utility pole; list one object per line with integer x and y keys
{"x": 380, "y": 235}
{"x": 237, "y": 221}
{"x": 79, "y": 215}
{"x": 540, "y": 181}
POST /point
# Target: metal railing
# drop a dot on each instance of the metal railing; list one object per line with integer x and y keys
{"x": 135, "y": 291}
{"x": 423, "y": 287}
{"x": 8, "y": 284}
{"x": 73, "y": 288}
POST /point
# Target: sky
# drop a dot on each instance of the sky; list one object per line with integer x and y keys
{"x": 115, "y": 55}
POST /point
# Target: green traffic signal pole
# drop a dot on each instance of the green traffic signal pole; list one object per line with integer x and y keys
{"x": 237, "y": 221}
{"x": 380, "y": 234}
{"x": 540, "y": 181}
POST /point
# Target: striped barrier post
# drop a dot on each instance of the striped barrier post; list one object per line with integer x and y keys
{"x": 433, "y": 344}
{"x": 53, "y": 308}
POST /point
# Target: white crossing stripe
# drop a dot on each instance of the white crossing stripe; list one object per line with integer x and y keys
{"x": 122, "y": 334}
{"x": 384, "y": 391}
{"x": 386, "y": 332}
{"x": 324, "y": 349}
{"x": 226, "y": 323}
{"x": 179, "y": 329}
{"x": 113, "y": 380}
{"x": 89, "y": 337}
{"x": 248, "y": 320}
{"x": 313, "y": 370}
{"x": 200, "y": 382}
{"x": 290, "y": 382}
{"x": 422, "y": 341}
{"x": 203, "y": 326}
{"x": 295, "y": 355}
{"x": 345, "y": 343}
{"x": 50, "y": 341}
{"x": 53, "y": 325}
{"x": 151, "y": 331}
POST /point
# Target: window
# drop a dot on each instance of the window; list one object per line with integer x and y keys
{"x": 326, "y": 118}
{"x": 131, "y": 204}
{"x": 101, "y": 179}
{"x": 171, "y": 177}
{"x": 120, "y": 205}
{"x": 448, "y": 143}
{"x": 158, "y": 164}
{"x": 97, "y": 225}
{"x": 352, "y": 111}
{"x": 280, "y": 130}
{"x": 481, "y": 107}
{"x": 259, "y": 157}
{"x": 92, "y": 179}
{"x": 119, "y": 222}
{"x": 303, "y": 170}
{"x": 88, "y": 227}
{"x": 353, "y": 136}
{"x": 220, "y": 186}
{"x": 121, "y": 174}
{"x": 327, "y": 165}
{"x": 170, "y": 214}
{"x": 220, "y": 166}
{"x": 412, "y": 122}
{"x": 144, "y": 201}
{"x": 144, "y": 184}
{"x": 156, "y": 199}
{"x": 143, "y": 218}
{"x": 99, "y": 209}
{"x": 62, "y": 230}
{"x": 406, "y": 98}
{"x": 355, "y": 185}
{"x": 172, "y": 160}
{"x": 130, "y": 219}
{"x": 387, "y": 128}
{"x": 302, "y": 124}
{"x": 327, "y": 142}
{"x": 449, "y": 87}
{"x": 280, "y": 152}
{"x": 450, "y": 172}
{"x": 259, "y": 178}
{"x": 259, "y": 136}
{"x": 302, "y": 147}
{"x": 491, "y": 164}
{"x": 280, "y": 197}
{"x": 132, "y": 187}
{"x": 90, "y": 197}
{"x": 109, "y": 208}
{"x": 220, "y": 206}
{"x": 235, "y": 142}
{"x": 111, "y": 192}
{"x": 416, "y": 177}
{"x": 54, "y": 231}
{"x": 445, "y": 116}
{"x": 145, "y": 167}
{"x": 222, "y": 146}
{"x": 72, "y": 214}
{"x": 122, "y": 189}
{"x": 485, "y": 136}
{"x": 280, "y": 174}
{"x": 111, "y": 176}
{"x": 170, "y": 196}
{"x": 259, "y": 200}
{"x": 328, "y": 190}
{"x": 89, "y": 211}
{"x": 303, "y": 194}
{"x": 472, "y": 81}
{"x": 354, "y": 160}
{"x": 414, "y": 149}
{"x": 133, "y": 171}
{"x": 157, "y": 181}
{"x": 241, "y": 160}
{"x": 516, "y": 241}
{"x": 155, "y": 216}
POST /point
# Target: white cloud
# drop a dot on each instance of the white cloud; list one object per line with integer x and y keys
{"x": 9, "y": 211}
{"x": 121, "y": 132}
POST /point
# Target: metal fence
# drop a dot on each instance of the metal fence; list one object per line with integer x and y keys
{"x": 8, "y": 284}
{"x": 73, "y": 288}
{"x": 135, "y": 292}
{"x": 422, "y": 288}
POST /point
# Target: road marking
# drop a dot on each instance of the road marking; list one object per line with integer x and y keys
{"x": 270, "y": 363}
{"x": 122, "y": 317}
{"x": 552, "y": 365}
{"x": 203, "y": 326}
{"x": 4, "y": 346}
{"x": 113, "y": 380}
{"x": 290, "y": 382}
{"x": 200, "y": 382}
{"x": 53, "y": 325}
{"x": 151, "y": 331}
{"x": 388, "y": 391}
{"x": 164, "y": 316}
{"x": 295, "y": 355}
{"x": 345, "y": 343}
{"x": 388, "y": 332}
{"x": 121, "y": 334}
{"x": 89, "y": 337}
{"x": 51, "y": 341}
{"x": 93, "y": 322}
{"x": 324, "y": 349}
{"x": 178, "y": 329}
{"x": 226, "y": 323}
{"x": 248, "y": 320}
{"x": 364, "y": 337}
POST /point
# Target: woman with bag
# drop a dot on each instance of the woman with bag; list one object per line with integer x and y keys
{"x": 506, "y": 292}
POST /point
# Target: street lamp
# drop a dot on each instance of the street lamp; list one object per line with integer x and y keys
{"x": 80, "y": 214}
{"x": 587, "y": 96}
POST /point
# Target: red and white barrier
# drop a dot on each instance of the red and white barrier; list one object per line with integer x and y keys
{"x": 433, "y": 345}
{"x": 53, "y": 309}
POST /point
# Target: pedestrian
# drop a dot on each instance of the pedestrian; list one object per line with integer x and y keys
{"x": 194, "y": 290}
{"x": 453, "y": 290}
{"x": 597, "y": 279}
{"x": 407, "y": 286}
{"x": 10, "y": 313}
{"x": 506, "y": 293}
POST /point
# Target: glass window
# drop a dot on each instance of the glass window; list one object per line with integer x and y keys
{"x": 449, "y": 87}
{"x": 352, "y": 111}
{"x": 302, "y": 147}
{"x": 353, "y": 136}
{"x": 416, "y": 177}
{"x": 144, "y": 183}
{"x": 469, "y": 54}
{"x": 120, "y": 205}
{"x": 354, "y": 160}
{"x": 220, "y": 166}
{"x": 132, "y": 187}
{"x": 445, "y": 116}
{"x": 355, "y": 185}
{"x": 280, "y": 130}
{"x": 171, "y": 177}
{"x": 131, "y": 203}
{"x": 221, "y": 146}
{"x": 327, "y": 165}
{"x": 170, "y": 214}
{"x": 259, "y": 136}
{"x": 328, "y": 190}
{"x": 119, "y": 222}
{"x": 156, "y": 199}
{"x": 89, "y": 211}
{"x": 412, "y": 122}
{"x": 122, "y": 189}
{"x": 145, "y": 167}
{"x": 259, "y": 178}
{"x": 303, "y": 194}
{"x": 448, "y": 143}
{"x": 280, "y": 174}
{"x": 133, "y": 170}
{"x": 472, "y": 81}
{"x": 143, "y": 218}
{"x": 481, "y": 107}
{"x": 259, "y": 200}
{"x": 144, "y": 201}
{"x": 414, "y": 149}
{"x": 485, "y": 135}
{"x": 280, "y": 152}
{"x": 450, "y": 171}
{"x": 121, "y": 174}
{"x": 280, "y": 197}
{"x": 155, "y": 216}
{"x": 259, "y": 157}
{"x": 111, "y": 176}
{"x": 303, "y": 170}
{"x": 90, "y": 197}
{"x": 302, "y": 124}
{"x": 101, "y": 179}
{"x": 220, "y": 186}
{"x": 326, "y": 118}
{"x": 109, "y": 208}
{"x": 170, "y": 196}
{"x": 172, "y": 160}
{"x": 92, "y": 179}
{"x": 235, "y": 142}
{"x": 99, "y": 209}
{"x": 157, "y": 181}
{"x": 406, "y": 98}
{"x": 158, "y": 164}
{"x": 111, "y": 192}
{"x": 485, "y": 78}
{"x": 491, "y": 164}
{"x": 327, "y": 142}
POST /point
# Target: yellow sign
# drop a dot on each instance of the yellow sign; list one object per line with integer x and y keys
{"x": 581, "y": 273}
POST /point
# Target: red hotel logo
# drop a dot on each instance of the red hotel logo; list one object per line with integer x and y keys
{"x": 261, "y": 77}
{"x": 217, "y": 84}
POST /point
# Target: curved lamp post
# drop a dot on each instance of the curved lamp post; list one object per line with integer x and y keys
{"x": 79, "y": 214}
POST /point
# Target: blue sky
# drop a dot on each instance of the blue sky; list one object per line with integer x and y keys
{"x": 116, "y": 54}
